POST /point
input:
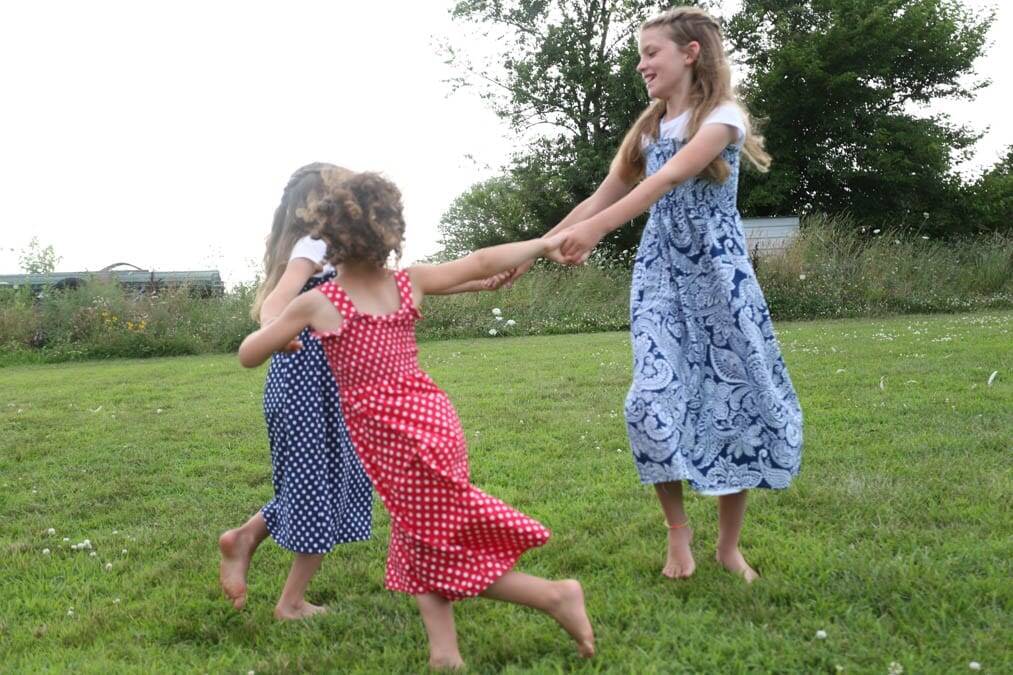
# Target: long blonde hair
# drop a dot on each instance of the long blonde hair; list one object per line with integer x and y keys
{"x": 710, "y": 87}
{"x": 306, "y": 185}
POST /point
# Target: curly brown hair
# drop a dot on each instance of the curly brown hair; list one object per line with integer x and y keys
{"x": 360, "y": 217}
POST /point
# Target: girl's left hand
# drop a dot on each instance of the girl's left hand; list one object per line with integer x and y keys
{"x": 579, "y": 242}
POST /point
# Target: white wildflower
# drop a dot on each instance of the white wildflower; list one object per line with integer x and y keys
{"x": 821, "y": 635}
{"x": 876, "y": 231}
{"x": 70, "y": 612}
{"x": 496, "y": 311}
{"x": 974, "y": 665}
{"x": 801, "y": 277}
{"x": 124, "y": 551}
{"x": 895, "y": 668}
{"x": 925, "y": 236}
{"x": 116, "y": 601}
{"x": 158, "y": 412}
{"x": 882, "y": 382}
{"x": 492, "y": 331}
{"x": 92, "y": 554}
{"x": 66, "y": 538}
{"x": 51, "y": 531}
{"x": 45, "y": 551}
{"x": 499, "y": 318}
{"x": 109, "y": 566}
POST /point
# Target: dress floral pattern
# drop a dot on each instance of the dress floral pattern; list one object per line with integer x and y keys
{"x": 711, "y": 401}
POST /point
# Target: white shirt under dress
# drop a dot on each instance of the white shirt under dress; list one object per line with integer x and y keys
{"x": 726, "y": 113}
{"x": 313, "y": 250}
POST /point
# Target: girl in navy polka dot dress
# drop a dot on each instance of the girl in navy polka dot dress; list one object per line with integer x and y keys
{"x": 448, "y": 539}
{"x": 322, "y": 496}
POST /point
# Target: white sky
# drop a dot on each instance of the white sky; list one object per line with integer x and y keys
{"x": 161, "y": 134}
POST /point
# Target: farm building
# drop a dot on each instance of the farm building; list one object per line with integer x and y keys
{"x": 765, "y": 236}
{"x": 201, "y": 282}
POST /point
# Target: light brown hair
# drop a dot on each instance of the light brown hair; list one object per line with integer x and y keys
{"x": 307, "y": 183}
{"x": 360, "y": 217}
{"x": 710, "y": 87}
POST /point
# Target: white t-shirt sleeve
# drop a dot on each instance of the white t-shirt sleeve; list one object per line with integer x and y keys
{"x": 730, "y": 114}
{"x": 312, "y": 249}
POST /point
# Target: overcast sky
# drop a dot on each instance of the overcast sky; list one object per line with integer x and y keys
{"x": 161, "y": 134}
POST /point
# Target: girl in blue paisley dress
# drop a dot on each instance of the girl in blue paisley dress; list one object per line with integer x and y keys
{"x": 711, "y": 402}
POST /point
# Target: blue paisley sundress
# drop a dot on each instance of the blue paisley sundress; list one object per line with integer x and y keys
{"x": 711, "y": 401}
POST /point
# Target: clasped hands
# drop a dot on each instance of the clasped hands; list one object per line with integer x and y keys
{"x": 572, "y": 246}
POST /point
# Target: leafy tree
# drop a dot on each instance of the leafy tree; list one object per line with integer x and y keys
{"x": 564, "y": 77}
{"x": 992, "y": 196}
{"x": 837, "y": 81}
{"x": 34, "y": 259}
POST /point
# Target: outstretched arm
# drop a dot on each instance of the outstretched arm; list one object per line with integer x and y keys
{"x": 612, "y": 189}
{"x": 688, "y": 162}
{"x": 466, "y": 287}
{"x": 483, "y": 263}
{"x": 260, "y": 344}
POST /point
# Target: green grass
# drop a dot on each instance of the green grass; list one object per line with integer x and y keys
{"x": 895, "y": 539}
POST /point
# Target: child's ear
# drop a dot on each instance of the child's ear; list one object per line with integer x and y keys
{"x": 691, "y": 52}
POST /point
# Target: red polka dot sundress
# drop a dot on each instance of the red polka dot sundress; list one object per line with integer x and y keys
{"x": 446, "y": 536}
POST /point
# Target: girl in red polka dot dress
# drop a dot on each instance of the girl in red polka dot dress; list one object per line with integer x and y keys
{"x": 449, "y": 540}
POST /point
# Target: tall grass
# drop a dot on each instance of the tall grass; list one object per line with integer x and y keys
{"x": 100, "y": 319}
{"x": 837, "y": 269}
{"x": 834, "y": 269}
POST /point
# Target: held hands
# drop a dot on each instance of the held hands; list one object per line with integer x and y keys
{"x": 556, "y": 251}
{"x": 578, "y": 243}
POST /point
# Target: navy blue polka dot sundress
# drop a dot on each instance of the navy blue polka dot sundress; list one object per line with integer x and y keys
{"x": 322, "y": 496}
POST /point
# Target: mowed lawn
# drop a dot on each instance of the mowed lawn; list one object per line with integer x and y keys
{"x": 895, "y": 540}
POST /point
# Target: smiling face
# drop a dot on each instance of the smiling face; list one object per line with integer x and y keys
{"x": 663, "y": 64}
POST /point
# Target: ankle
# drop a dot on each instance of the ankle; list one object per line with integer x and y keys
{"x": 726, "y": 550}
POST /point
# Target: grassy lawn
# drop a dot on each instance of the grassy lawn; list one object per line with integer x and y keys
{"x": 895, "y": 539}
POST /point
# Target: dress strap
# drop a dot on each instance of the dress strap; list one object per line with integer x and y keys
{"x": 336, "y": 294}
{"x": 404, "y": 287}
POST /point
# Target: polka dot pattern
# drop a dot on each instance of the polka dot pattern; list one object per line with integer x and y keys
{"x": 447, "y": 536}
{"x": 322, "y": 495}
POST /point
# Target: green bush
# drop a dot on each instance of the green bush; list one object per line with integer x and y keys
{"x": 833, "y": 270}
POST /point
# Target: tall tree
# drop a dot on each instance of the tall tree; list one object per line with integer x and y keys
{"x": 564, "y": 77}
{"x": 839, "y": 82}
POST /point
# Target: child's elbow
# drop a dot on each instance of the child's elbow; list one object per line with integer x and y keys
{"x": 247, "y": 356}
{"x": 483, "y": 263}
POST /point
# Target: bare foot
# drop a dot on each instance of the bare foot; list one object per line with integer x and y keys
{"x": 570, "y": 612}
{"x": 237, "y": 550}
{"x": 679, "y": 562}
{"x": 303, "y": 610}
{"x": 445, "y": 661}
{"x": 736, "y": 564}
